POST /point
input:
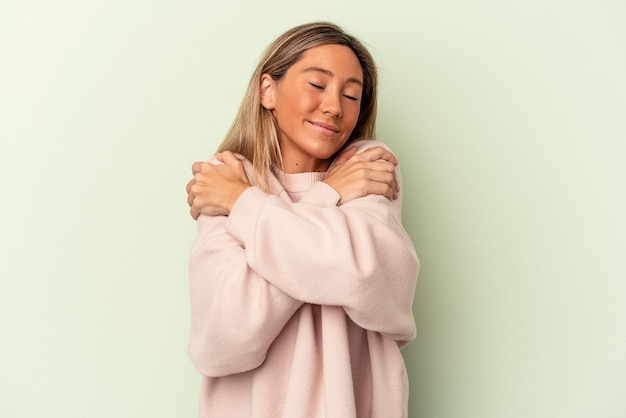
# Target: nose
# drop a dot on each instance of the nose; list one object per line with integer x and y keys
{"x": 331, "y": 105}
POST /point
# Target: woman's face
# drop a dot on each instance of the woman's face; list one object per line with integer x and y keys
{"x": 316, "y": 106}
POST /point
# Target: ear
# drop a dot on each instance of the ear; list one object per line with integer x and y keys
{"x": 268, "y": 92}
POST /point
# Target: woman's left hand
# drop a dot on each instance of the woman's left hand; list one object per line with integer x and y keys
{"x": 370, "y": 172}
{"x": 214, "y": 189}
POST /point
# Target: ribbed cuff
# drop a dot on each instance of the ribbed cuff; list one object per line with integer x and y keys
{"x": 322, "y": 195}
{"x": 243, "y": 217}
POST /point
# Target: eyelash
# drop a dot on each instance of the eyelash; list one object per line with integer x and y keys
{"x": 317, "y": 86}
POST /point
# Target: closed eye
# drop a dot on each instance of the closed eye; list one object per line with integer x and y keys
{"x": 351, "y": 97}
{"x": 317, "y": 86}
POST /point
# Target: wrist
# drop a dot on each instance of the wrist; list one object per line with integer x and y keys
{"x": 237, "y": 191}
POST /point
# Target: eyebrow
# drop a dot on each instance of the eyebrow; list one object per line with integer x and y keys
{"x": 331, "y": 74}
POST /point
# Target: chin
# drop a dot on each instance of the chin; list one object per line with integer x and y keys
{"x": 325, "y": 155}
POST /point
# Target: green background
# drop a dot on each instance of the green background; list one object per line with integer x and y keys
{"x": 509, "y": 119}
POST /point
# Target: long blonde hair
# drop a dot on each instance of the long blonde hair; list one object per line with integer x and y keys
{"x": 254, "y": 131}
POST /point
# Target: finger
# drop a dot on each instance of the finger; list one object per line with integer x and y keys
{"x": 194, "y": 212}
{"x": 378, "y": 153}
{"x": 191, "y": 196}
{"x": 227, "y": 158}
{"x": 389, "y": 178}
{"x": 379, "y": 165}
{"x": 381, "y": 182}
{"x": 190, "y": 200}
{"x": 196, "y": 167}
{"x": 383, "y": 177}
{"x": 382, "y": 189}
{"x": 378, "y": 188}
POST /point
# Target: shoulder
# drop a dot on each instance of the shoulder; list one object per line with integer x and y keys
{"x": 247, "y": 165}
{"x": 213, "y": 160}
{"x": 365, "y": 144}
{"x": 362, "y": 145}
{"x": 244, "y": 161}
{"x": 271, "y": 184}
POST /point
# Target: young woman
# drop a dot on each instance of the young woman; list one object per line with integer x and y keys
{"x": 302, "y": 277}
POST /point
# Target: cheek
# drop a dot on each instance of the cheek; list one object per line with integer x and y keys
{"x": 351, "y": 116}
{"x": 300, "y": 103}
{"x": 307, "y": 102}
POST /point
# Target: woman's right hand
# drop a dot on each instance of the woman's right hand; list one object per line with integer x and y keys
{"x": 214, "y": 189}
{"x": 370, "y": 172}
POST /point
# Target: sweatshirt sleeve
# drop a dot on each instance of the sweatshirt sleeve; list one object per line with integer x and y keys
{"x": 356, "y": 255}
{"x": 235, "y": 313}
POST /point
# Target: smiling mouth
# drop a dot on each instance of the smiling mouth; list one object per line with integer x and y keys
{"x": 325, "y": 128}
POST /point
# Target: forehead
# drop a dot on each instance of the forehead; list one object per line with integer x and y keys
{"x": 337, "y": 59}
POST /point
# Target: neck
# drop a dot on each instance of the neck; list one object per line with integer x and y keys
{"x": 295, "y": 167}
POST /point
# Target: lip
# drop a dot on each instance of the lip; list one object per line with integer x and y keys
{"x": 325, "y": 127}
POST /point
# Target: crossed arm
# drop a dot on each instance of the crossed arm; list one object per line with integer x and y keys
{"x": 249, "y": 276}
{"x": 214, "y": 189}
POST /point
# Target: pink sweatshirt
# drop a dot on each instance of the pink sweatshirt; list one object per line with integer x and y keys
{"x": 299, "y": 307}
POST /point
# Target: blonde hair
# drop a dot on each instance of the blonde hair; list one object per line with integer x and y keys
{"x": 254, "y": 131}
